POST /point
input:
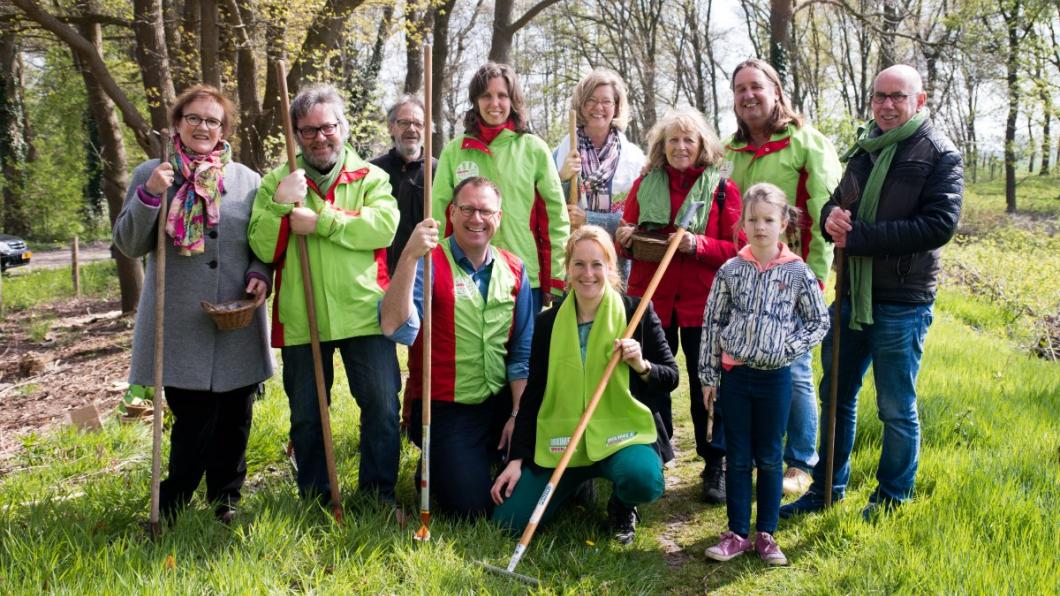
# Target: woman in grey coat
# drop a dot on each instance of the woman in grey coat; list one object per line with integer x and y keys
{"x": 210, "y": 376}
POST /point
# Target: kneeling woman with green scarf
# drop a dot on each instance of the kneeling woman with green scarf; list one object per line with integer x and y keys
{"x": 571, "y": 347}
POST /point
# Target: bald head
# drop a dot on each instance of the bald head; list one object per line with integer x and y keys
{"x": 898, "y": 94}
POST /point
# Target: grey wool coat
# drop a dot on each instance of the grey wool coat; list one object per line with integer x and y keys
{"x": 197, "y": 356}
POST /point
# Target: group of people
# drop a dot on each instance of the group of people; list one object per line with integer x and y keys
{"x": 531, "y": 295}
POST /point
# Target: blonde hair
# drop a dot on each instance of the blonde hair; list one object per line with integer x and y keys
{"x": 687, "y": 120}
{"x": 601, "y": 238}
{"x": 770, "y": 194}
{"x": 601, "y": 77}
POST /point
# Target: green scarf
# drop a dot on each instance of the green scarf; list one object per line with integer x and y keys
{"x": 619, "y": 420}
{"x": 886, "y": 145}
{"x": 653, "y": 198}
{"x": 324, "y": 180}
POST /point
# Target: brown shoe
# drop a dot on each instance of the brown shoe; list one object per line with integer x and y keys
{"x": 796, "y": 482}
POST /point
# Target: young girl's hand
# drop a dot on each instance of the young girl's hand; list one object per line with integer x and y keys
{"x": 709, "y": 395}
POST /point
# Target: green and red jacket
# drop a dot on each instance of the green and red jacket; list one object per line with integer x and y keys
{"x": 347, "y": 252}
{"x": 469, "y": 336}
{"x": 803, "y": 163}
{"x": 535, "y": 225}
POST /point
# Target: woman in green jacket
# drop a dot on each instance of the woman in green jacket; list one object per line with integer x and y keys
{"x": 774, "y": 144}
{"x": 497, "y": 144}
{"x": 571, "y": 348}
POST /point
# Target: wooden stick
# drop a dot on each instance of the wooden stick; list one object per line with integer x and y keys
{"x": 583, "y": 422}
{"x": 310, "y": 306}
{"x": 160, "y": 312}
{"x": 848, "y": 193}
{"x": 572, "y": 198}
{"x": 424, "y": 533}
{"x": 75, "y": 268}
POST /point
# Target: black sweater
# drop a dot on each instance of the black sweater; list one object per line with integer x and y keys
{"x": 662, "y": 379}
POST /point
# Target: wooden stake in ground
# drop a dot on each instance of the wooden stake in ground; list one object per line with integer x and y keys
{"x": 848, "y": 193}
{"x": 424, "y": 533}
{"x": 583, "y": 422}
{"x": 75, "y": 269}
{"x": 160, "y": 312}
{"x": 572, "y": 197}
{"x": 310, "y": 306}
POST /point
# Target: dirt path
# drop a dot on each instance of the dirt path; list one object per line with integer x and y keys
{"x": 57, "y": 357}
{"x": 53, "y": 259}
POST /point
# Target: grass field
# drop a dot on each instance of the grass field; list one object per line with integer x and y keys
{"x": 984, "y": 519}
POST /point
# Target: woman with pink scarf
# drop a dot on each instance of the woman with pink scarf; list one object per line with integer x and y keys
{"x": 211, "y": 377}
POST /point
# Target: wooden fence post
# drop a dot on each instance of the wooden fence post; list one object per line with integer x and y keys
{"x": 76, "y": 271}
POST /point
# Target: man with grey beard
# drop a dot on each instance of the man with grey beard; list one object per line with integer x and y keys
{"x": 404, "y": 163}
{"x": 348, "y": 219}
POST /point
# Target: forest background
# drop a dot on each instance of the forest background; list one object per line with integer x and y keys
{"x": 84, "y": 82}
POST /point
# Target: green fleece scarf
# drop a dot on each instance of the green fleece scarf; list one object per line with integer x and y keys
{"x": 324, "y": 180}
{"x": 653, "y": 198}
{"x": 619, "y": 420}
{"x": 885, "y": 145}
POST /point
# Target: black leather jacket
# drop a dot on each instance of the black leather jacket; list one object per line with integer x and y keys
{"x": 919, "y": 206}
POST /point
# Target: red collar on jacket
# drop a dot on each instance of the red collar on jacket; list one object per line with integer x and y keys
{"x": 682, "y": 180}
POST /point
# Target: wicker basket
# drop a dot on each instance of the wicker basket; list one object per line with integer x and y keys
{"x": 649, "y": 246}
{"x": 235, "y": 314}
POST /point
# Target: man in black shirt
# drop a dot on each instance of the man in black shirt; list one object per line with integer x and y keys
{"x": 404, "y": 164}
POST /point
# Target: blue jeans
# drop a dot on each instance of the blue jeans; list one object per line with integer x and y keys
{"x": 463, "y": 451}
{"x": 893, "y": 345}
{"x": 801, "y": 449}
{"x": 756, "y": 404}
{"x": 372, "y": 371}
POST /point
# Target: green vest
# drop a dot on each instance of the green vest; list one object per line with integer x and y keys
{"x": 469, "y": 336}
{"x": 619, "y": 420}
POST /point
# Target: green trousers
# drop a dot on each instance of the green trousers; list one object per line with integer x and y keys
{"x": 635, "y": 471}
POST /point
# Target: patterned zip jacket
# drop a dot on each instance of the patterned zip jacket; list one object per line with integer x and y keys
{"x": 762, "y": 316}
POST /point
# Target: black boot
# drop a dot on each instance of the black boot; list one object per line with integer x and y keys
{"x": 622, "y": 520}
{"x": 714, "y": 481}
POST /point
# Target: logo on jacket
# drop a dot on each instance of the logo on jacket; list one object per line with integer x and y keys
{"x": 465, "y": 170}
{"x": 620, "y": 438}
{"x": 558, "y": 444}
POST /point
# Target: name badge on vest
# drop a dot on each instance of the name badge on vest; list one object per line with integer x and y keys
{"x": 463, "y": 288}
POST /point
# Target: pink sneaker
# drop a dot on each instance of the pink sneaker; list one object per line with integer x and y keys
{"x": 731, "y": 545}
{"x": 769, "y": 551}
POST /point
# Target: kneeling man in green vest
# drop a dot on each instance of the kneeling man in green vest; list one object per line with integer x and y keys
{"x": 568, "y": 356}
{"x": 481, "y": 327}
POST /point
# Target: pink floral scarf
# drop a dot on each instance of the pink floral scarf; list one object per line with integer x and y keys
{"x": 198, "y": 200}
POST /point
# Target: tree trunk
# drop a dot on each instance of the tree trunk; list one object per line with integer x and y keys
{"x": 780, "y": 15}
{"x": 888, "y": 52}
{"x": 439, "y": 53}
{"x": 14, "y": 144}
{"x": 209, "y": 44}
{"x": 1012, "y": 79}
{"x": 1047, "y": 113}
{"x": 115, "y": 176}
{"x": 418, "y": 19}
{"x": 189, "y": 70}
{"x": 504, "y": 29}
{"x": 251, "y": 142}
{"x": 153, "y": 59}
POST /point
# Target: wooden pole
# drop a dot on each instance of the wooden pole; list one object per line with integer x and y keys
{"x": 572, "y": 197}
{"x": 310, "y": 306}
{"x": 424, "y": 533}
{"x": 158, "y": 404}
{"x": 583, "y": 422}
{"x": 75, "y": 270}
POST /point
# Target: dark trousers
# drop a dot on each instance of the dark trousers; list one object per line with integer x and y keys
{"x": 756, "y": 404}
{"x": 689, "y": 339}
{"x": 374, "y": 379}
{"x": 209, "y": 436}
{"x": 463, "y": 452}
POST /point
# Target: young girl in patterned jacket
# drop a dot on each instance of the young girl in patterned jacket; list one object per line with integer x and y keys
{"x": 765, "y": 309}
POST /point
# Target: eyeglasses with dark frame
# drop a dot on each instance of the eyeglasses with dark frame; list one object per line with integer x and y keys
{"x": 310, "y": 132}
{"x": 896, "y": 98}
{"x": 195, "y": 120}
{"x": 407, "y": 124}
{"x": 468, "y": 211}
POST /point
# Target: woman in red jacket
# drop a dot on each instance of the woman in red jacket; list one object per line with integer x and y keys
{"x": 684, "y": 159}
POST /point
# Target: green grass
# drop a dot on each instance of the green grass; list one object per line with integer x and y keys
{"x": 24, "y": 290}
{"x": 983, "y": 519}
